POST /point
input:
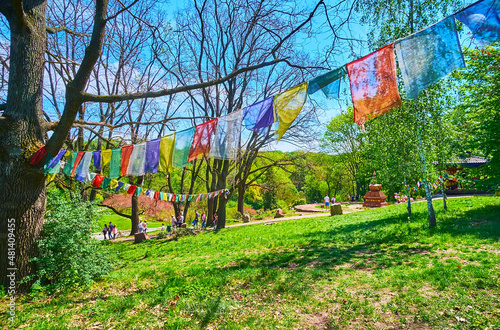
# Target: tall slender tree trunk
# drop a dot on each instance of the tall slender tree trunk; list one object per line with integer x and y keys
{"x": 241, "y": 198}
{"x": 134, "y": 215}
{"x": 22, "y": 186}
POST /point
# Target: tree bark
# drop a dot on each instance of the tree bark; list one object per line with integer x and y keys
{"x": 135, "y": 215}
{"x": 22, "y": 186}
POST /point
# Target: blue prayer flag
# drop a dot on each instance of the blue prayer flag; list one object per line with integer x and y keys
{"x": 483, "y": 19}
{"x": 329, "y": 83}
{"x": 429, "y": 55}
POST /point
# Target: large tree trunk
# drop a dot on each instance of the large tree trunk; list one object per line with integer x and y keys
{"x": 135, "y": 215}
{"x": 22, "y": 186}
{"x": 241, "y": 198}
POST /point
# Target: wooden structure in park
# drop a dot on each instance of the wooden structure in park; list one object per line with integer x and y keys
{"x": 375, "y": 197}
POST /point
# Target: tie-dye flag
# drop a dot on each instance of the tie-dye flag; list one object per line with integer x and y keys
{"x": 374, "y": 88}
{"x": 182, "y": 146}
{"x": 202, "y": 139}
{"x": 483, "y": 19}
{"x": 288, "y": 105}
{"x": 328, "y": 83}
{"x": 429, "y": 55}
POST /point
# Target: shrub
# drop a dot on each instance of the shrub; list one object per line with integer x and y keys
{"x": 282, "y": 205}
{"x": 68, "y": 255}
{"x": 162, "y": 234}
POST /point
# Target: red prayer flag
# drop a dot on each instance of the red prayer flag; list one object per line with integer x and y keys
{"x": 38, "y": 156}
{"x": 131, "y": 189}
{"x": 374, "y": 87}
{"x": 97, "y": 180}
{"x": 202, "y": 139}
{"x": 126, "y": 152}
{"x": 77, "y": 161}
{"x": 157, "y": 195}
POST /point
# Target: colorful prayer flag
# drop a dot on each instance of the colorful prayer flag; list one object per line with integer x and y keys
{"x": 329, "y": 83}
{"x": 227, "y": 138}
{"x": 105, "y": 183}
{"x": 78, "y": 159}
{"x": 83, "y": 167}
{"x": 137, "y": 191}
{"x": 429, "y": 55}
{"x": 259, "y": 115}
{"x": 114, "y": 169}
{"x": 52, "y": 162}
{"x": 374, "y": 88}
{"x": 120, "y": 185}
{"x": 166, "y": 153}
{"x": 288, "y": 105}
{"x": 98, "y": 180}
{"x": 105, "y": 158}
{"x": 157, "y": 195}
{"x": 131, "y": 190}
{"x": 137, "y": 160}
{"x": 152, "y": 156}
{"x": 113, "y": 184}
{"x": 483, "y": 19}
{"x": 202, "y": 140}
{"x": 182, "y": 146}
{"x": 97, "y": 160}
{"x": 125, "y": 159}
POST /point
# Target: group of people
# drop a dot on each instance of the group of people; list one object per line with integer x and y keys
{"x": 110, "y": 230}
{"x": 328, "y": 200}
{"x": 142, "y": 227}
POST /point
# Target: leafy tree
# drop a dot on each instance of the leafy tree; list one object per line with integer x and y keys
{"x": 479, "y": 115}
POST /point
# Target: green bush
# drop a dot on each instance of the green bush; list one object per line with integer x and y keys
{"x": 162, "y": 234}
{"x": 68, "y": 255}
{"x": 282, "y": 205}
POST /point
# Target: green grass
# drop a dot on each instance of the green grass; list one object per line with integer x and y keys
{"x": 123, "y": 223}
{"x": 371, "y": 269}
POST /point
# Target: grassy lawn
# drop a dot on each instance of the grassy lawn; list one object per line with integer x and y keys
{"x": 123, "y": 223}
{"x": 371, "y": 269}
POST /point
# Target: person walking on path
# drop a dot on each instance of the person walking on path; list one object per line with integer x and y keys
{"x": 203, "y": 221}
{"x": 139, "y": 226}
{"x": 145, "y": 227}
{"x": 110, "y": 230}
{"x": 327, "y": 201}
{"x": 333, "y": 199}
{"x": 180, "y": 220}
{"x": 115, "y": 231}
{"x": 196, "y": 219}
{"x": 174, "y": 222}
{"x": 105, "y": 230}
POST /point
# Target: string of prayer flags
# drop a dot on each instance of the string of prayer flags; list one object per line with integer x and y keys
{"x": 328, "y": 83}
{"x": 202, "y": 139}
{"x": 152, "y": 156}
{"x": 483, "y": 19}
{"x": 429, "y": 55}
{"x": 137, "y": 160}
{"x": 97, "y": 160}
{"x": 374, "y": 87}
{"x": 227, "y": 136}
{"x": 288, "y": 105}
{"x": 115, "y": 167}
{"x": 125, "y": 158}
{"x": 78, "y": 158}
{"x": 166, "y": 152}
{"x": 259, "y": 115}
{"x": 83, "y": 167}
{"x": 182, "y": 146}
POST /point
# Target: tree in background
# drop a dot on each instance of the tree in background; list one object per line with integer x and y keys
{"x": 344, "y": 139}
{"x": 478, "y": 115}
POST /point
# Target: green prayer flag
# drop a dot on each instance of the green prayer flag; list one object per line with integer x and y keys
{"x": 116, "y": 159}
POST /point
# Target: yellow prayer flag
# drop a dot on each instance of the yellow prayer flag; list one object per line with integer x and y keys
{"x": 166, "y": 151}
{"x": 105, "y": 158}
{"x": 288, "y": 105}
{"x": 113, "y": 184}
